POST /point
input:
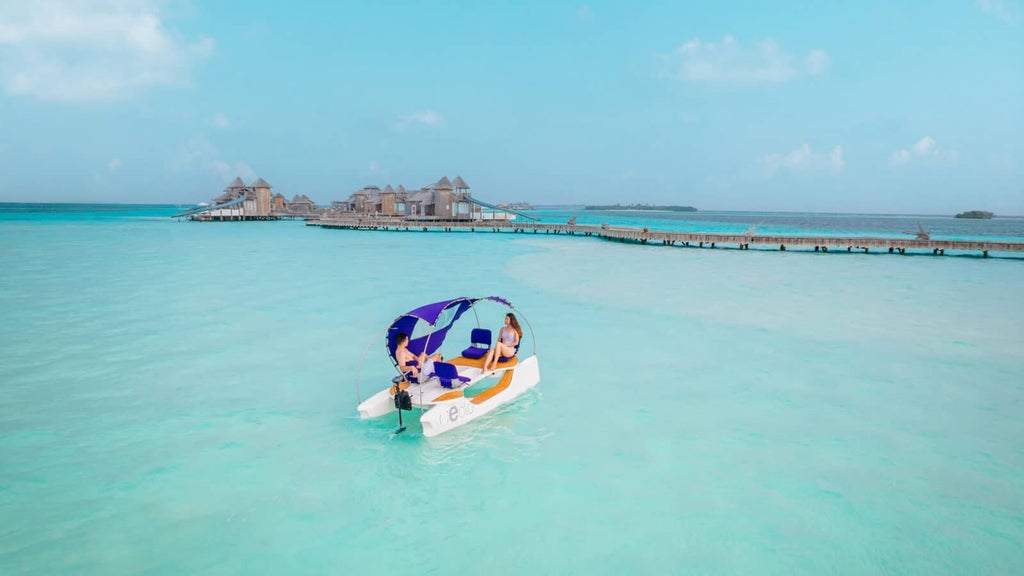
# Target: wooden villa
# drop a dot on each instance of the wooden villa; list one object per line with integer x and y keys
{"x": 443, "y": 200}
{"x": 278, "y": 203}
{"x": 252, "y": 202}
{"x": 301, "y": 205}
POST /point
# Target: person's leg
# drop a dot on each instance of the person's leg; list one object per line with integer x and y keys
{"x": 495, "y": 354}
{"x": 503, "y": 350}
{"x": 488, "y": 358}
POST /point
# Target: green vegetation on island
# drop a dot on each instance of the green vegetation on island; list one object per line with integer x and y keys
{"x": 642, "y": 207}
{"x": 978, "y": 214}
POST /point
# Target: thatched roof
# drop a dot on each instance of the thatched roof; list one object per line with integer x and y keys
{"x": 400, "y": 188}
{"x": 388, "y": 188}
{"x": 443, "y": 184}
{"x": 261, "y": 183}
{"x": 302, "y": 199}
{"x": 460, "y": 183}
{"x": 278, "y": 195}
{"x": 237, "y": 183}
{"x": 423, "y": 196}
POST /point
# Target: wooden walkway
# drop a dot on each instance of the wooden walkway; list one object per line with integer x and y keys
{"x": 699, "y": 240}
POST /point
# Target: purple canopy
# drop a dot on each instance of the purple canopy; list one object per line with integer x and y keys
{"x": 431, "y": 314}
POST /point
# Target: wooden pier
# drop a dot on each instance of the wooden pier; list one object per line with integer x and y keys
{"x": 863, "y": 244}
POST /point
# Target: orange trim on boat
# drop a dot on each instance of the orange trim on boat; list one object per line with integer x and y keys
{"x": 479, "y": 362}
{"x": 392, "y": 390}
{"x": 449, "y": 396}
{"x": 502, "y": 384}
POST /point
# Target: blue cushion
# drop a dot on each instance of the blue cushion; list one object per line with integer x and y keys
{"x": 474, "y": 352}
{"x": 407, "y": 377}
{"x": 481, "y": 336}
{"x": 480, "y": 341}
{"x": 448, "y": 374}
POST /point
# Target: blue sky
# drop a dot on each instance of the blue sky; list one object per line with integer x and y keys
{"x": 859, "y": 106}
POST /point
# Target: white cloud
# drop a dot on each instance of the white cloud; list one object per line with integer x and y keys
{"x": 817, "y": 62}
{"x": 425, "y": 118}
{"x": 924, "y": 146}
{"x": 115, "y": 165}
{"x": 1006, "y": 10}
{"x": 221, "y": 122}
{"x": 804, "y": 159}
{"x": 75, "y": 50}
{"x": 728, "y": 62}
{"x": 199, "y": 154}
{"x": 923, "y": 149}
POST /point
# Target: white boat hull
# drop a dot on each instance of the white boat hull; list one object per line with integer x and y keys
{"x": 448, "y": 408}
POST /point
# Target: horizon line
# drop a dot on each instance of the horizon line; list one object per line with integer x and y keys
{"x": 581, "y": 206}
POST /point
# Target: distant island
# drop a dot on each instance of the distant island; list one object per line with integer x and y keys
{"x": 643, "y": 207}
{"x": 977, "y": 214}
{"x": 516, "y": 205}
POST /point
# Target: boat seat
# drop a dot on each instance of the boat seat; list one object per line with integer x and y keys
{"x": 448, "y": 374}
{"x": 408, "y": 376}
{"x": 480, "y": 343}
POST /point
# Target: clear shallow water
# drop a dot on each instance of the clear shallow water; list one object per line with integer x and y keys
{"x": 179, "y": 397}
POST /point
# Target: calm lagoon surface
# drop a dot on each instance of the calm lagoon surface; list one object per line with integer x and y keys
{"x": 180, "y": 397}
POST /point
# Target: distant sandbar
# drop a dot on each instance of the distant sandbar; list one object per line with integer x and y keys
{"x": 649, "y": 207}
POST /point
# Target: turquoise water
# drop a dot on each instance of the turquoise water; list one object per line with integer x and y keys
{"x": 180, "y": 397}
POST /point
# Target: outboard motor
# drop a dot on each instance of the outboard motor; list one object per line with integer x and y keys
{"x": 403, "y": 401}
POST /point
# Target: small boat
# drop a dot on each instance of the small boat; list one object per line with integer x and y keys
{"x": 455, "y": 391}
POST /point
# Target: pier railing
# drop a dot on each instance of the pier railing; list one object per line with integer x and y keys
{"x": 670, "y": 238}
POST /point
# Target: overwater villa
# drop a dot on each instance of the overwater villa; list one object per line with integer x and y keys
{"x": 301, "y": 205}
{"x": 445, "y": 200}
{"x": 252, "y": 202}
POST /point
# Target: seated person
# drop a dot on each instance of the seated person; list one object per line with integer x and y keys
{"x": 409, "y": 362}
{"x": 505, "y": 347}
